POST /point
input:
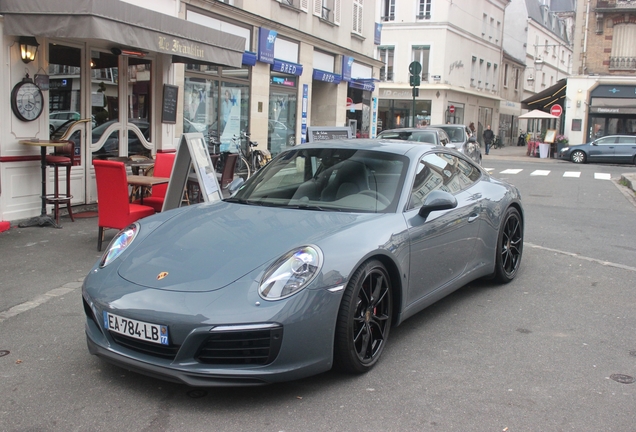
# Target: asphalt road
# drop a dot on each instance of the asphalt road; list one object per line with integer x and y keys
{"x": 549, "y": 351}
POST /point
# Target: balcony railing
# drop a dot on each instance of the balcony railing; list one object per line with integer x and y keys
{"x": 621, "y": 63}
{"x": 388, "y": 18}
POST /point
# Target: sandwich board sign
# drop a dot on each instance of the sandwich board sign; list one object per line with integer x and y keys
{"x": 192, "y": 160}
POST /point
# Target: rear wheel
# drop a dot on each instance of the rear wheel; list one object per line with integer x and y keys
{"x": 364, "y": 319}
{"x": 242, "y": 168}
{"x": 509, "y": 246}
{"x": 578, "y": 157}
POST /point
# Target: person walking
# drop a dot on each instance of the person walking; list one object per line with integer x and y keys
{"x": 488, "y": 137}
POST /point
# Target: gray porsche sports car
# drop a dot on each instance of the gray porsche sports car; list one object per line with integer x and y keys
{"x": 306, "y": 267}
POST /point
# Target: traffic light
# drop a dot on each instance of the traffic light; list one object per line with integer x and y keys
{"x": 415, "y": 80}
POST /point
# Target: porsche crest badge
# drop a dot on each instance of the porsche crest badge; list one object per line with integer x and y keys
{"x": 162, "y": 275}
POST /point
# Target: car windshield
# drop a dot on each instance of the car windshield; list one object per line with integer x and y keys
{"x": 456, "y": 134}
{"x": 420, "y": 136}
{"x": 328, "y": 179}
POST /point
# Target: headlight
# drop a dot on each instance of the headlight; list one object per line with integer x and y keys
{"x": 564, "y": 149}
{"x": 119, "y": 244}
{"x": 291, "y": 273}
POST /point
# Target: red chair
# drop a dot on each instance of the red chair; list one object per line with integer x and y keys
{"x": 163, "y": 168}
{"x": 62, "y": 157}
{"x": 113, "y": 208}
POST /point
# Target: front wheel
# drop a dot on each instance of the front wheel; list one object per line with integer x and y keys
{"x": 578, "y": 157}
{"x": 242, "y": 168}
{"x": 364, "y": 319}
{"x": 509, "y": 246}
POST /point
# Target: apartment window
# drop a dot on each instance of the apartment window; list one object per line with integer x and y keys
{"x": 484, "y": 24}
{"x": 546, "y": 46}
{"x": 328, "y": 10}
{"x": 386, "y": 55}
{"x": 495, "y": 77}
{"x": 424, "y": 9}
{"x": 357, "y": 16}
{"x": 516, "y": 79}
{"x": 543, "y": 79}
{"x": 421, "y": 54}
{"x": 623, "y": 55}
{"x": 388, "y": 10}
{"x": 498, "y": 31}
{"x": 488, "y": 71}
{"x": 473, "y": 72}
{"x": 491, "y": 30}
{"x": 505, "y": 83}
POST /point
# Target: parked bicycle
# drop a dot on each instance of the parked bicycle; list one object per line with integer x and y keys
{"x": 249, "y": 159}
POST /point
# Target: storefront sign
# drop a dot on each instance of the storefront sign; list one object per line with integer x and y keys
{"x": 347, "y": 64}
{"x": 614, "y": 91}
{"x": 287, "y": 67}
{"x": 249, "y": 58}
{"x": 283, "y": 81}
{"x": 374, "y": 119}
{"x": 303, "y": 121}
{"x": 362, "y": 84}
{"x": 326, "y": 77}
{"x": 612, "y": 110}
{"x": 388, "y": 93}
{"x": 180, "y": 47}
{"x": 266, "y": 42}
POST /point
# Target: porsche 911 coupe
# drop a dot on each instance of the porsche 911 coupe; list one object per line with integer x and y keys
{"x": 307, "y": 266}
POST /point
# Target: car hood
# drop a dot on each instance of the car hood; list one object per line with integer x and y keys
{"x": 213, "y": 245}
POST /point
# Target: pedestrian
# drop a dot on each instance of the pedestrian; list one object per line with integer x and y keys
{"x": 473, "y": 132}
{"x": 488, "y": 137}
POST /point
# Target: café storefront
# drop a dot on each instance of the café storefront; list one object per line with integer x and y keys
{"x": 104, "y": 61}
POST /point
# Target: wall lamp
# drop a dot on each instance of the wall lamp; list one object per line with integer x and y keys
{"x": 28, "y": 48}
{"x": 126, "y": 52}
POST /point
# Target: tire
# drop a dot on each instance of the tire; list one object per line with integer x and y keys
{"x": 578, "y": 157}
{"x": 242, "y": 168}
{"x": 364, "y": 319}
{"x": 509, "y": 246}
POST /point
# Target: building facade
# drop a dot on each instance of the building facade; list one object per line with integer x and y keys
{"x": 141, "y": 77}
{"x": 602, "y": 91}
{"x": 458, "y": 45}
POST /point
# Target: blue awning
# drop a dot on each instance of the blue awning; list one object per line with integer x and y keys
{"x": 329, "y": 77}
{"x": 249, "y": 58}
{"x": 287, "y": 67}
{"x": 362, "y": 84}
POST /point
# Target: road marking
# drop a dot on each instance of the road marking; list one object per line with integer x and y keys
{"x": 39, "y": 300}
{"x": 574, "y": 174}
{"x": 540, "y": 173}
{"x": 489, "y": 170}
{"x": 511, "y": 171}
{"x": 575, "y": 255}
{"x": 602, "y": 176}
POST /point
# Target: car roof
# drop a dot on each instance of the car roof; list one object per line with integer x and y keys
{"x": 381, "y": 144}
{"x": 410, "y": 129}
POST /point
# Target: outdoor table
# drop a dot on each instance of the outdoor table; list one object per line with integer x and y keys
{"x": 43, "y": 219}
{"x": 146, "y": 182}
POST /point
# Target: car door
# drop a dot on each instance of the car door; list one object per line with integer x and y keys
{"x": 441, "y": 245}
{"x": 625, "y": 149}
{"x": 602, "y": 150}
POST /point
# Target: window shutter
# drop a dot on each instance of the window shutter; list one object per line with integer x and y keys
{"x": 304, "y": 5}
{"x": 336, "y": 11}
{"x": 318, "y": 7}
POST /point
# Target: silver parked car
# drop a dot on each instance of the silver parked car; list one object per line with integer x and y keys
{"x": 460, "y": 138}
{"x": 430, "y": 135}
{"x": 307, "y": 266}
{"x": 610, "y": 148}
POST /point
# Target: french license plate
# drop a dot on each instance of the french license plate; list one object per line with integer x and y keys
{"x": 144, "y": 331}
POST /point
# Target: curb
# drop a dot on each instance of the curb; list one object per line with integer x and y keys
{"x": 629, "y": 180}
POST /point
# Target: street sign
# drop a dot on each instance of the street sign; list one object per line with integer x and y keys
{"x": 349, "y": 102}
{"x": 556, "y": 110}
{"x": 451, "y": 109}
{"x": 415, "y": 68}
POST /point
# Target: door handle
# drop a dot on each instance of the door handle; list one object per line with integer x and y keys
{"x": 473, "y": 217}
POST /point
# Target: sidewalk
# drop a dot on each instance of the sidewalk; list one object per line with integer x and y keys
{"x": 519, "y": 154}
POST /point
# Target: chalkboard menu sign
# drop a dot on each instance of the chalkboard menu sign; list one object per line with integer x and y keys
{"x": 169, "y": 106}
{"x": 317, "y": 133}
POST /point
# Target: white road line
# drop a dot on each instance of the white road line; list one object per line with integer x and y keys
{"x": 602, "y": 176}
{"x": 540, "y": 173}
{"x": 489, "y": 170}
{"x": 511, "y": 171}
{"x": 573, "y": 174}
{"x": 575, "y": 255}
{"x": 57, "y": 292}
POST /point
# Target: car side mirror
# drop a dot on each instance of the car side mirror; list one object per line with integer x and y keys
{"x": 235, "y": 185}
{"x": 435, "y": 201}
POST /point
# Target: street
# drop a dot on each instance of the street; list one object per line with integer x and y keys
{"x": 553, "y": 350}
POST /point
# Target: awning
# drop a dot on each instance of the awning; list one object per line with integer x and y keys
{"x": 122, "y": 25}
{"x": 548, "y": 97}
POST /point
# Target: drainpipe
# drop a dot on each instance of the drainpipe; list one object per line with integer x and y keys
{"x": 587, "y": 22}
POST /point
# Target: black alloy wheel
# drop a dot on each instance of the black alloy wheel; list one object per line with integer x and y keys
{"x": 364, "y": 319}
{"x": 578, "y": 157}
{"x": 509, "y": 246}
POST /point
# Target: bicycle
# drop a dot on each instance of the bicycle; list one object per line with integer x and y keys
{"x": 249, "y": 160}
{"x": 498, "y": 143}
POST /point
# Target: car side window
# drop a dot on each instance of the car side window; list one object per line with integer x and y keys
{"x": 606, "y": 141}
{"x": 627, "y": 140}
{"x": 441, "y": 171}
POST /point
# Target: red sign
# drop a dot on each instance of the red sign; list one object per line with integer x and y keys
{"x": 556, "y": 110}
{"x": 451, "y": 109}
{"x": 349, "y": 102}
